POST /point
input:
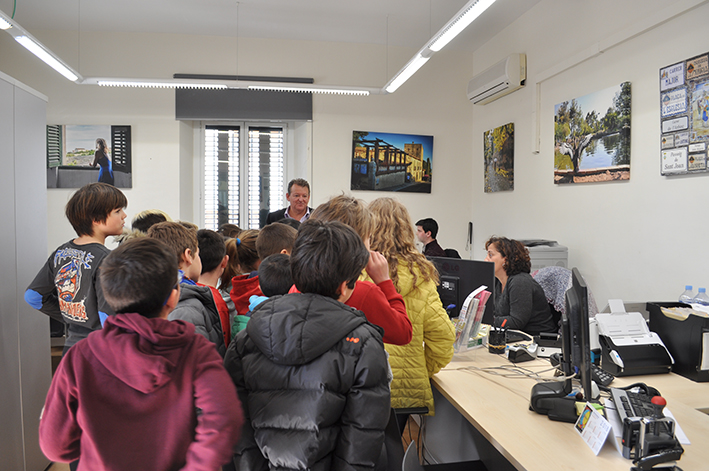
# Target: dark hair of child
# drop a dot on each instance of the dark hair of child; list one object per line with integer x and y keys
{"x": 139, "y": 276}
{"x": 145, "y": 219}
{"x": 274, "y": 277}
{"x": 294, "y": 223}
{"x": 93, "y": 203}
{"x": 325, "y": 255}
{"x": 229, "y": 230}
{"x": 274, "y": 238}
{"x": 211, "y": 249}
{"x": 176, "y": 236}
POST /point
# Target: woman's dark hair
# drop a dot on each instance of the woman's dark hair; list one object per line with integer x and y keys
{"x": 325, "y": 255}
{"x": 514, "y": 251}
{"x": 139, "y": 276}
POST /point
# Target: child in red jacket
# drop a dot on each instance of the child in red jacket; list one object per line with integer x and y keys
{"x": 143, "y": 392}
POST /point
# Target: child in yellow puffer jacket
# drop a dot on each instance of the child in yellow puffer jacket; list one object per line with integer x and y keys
{"x": 415, "y": 278}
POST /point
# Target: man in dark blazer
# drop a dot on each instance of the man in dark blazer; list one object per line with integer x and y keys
{"x": 298, "y": 196}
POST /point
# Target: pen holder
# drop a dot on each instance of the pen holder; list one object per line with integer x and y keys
{"x": 496, "y": 340}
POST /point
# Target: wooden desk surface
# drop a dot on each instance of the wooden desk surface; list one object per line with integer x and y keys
{"x": 498, "y": 407}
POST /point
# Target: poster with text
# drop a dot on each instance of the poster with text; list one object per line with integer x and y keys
{"x": 684, "y": 116}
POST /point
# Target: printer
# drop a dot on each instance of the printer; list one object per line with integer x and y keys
{"x": 628, "y": 347}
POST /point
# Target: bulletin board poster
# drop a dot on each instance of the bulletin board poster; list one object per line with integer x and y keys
{"x": 684, "y": 116}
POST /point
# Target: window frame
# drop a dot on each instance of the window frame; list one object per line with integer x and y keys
{"x": 243, "y": 163}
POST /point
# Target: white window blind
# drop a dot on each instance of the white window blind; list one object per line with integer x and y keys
{"x": 262, "y": 186}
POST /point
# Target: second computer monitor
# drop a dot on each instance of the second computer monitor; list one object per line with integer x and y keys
{"x": 461, "y": 277}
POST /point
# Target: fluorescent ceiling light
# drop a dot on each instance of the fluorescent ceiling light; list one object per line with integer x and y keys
{"x": 311, "y": 89}
{"x": 37, "y": 48}
{"x": 405, "y": 74}
{"x": 49, "y": 59}
{"x": 450, "y": 30}
{"x": 140, "y": 83}
{"x": 458, "y": 23}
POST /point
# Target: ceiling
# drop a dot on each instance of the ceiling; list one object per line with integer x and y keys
{"x": 396, "y": 23}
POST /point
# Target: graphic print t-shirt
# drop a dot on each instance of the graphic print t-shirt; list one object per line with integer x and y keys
{"x": 68, "y": 286}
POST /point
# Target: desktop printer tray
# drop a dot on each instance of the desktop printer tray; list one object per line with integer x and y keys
{"x": 636, "y": 360}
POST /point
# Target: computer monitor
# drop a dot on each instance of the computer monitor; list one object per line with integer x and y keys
{"x": 461, "y": 277}
{"x": 576, "y": 344}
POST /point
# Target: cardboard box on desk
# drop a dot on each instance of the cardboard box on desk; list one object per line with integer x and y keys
{"x": 687, "y": 340}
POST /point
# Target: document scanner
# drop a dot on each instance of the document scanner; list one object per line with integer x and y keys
{"x": 628, "y": 347}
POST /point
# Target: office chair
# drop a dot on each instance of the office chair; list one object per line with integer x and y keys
{"x": 411, "y": 463}
{"x": 555, "y": 281}
{"x": 451, "y": 253}
{"x": 402, "y": 415}
{"x": 393, "y": 443}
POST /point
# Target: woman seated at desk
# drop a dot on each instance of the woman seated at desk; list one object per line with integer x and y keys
{"x": 518, "y": 298}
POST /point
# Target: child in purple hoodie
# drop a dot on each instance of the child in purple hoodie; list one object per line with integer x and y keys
{"x": 143, "y": 392}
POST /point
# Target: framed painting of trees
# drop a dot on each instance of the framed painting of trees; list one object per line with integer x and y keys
{"x": 592, "y": 137}
{"x": 499, "y": 152}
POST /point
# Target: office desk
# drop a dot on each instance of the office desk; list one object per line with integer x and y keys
{"x": 498, "y": 408}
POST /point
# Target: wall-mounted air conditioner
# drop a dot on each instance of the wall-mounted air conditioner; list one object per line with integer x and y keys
{"x": 502, "y": 78}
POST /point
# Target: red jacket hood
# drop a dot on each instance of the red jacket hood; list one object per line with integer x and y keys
{"x": 145, "y": 360}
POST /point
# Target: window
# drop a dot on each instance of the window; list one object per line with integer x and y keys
{"x": 243, "y": 174}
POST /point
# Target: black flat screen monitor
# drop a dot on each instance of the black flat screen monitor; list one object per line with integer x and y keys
{"x": 459, "y": 278}
{"x": 576, "y": 345}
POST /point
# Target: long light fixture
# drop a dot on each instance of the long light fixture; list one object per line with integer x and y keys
{"x": 313, "y": 89}
{"x": 465, "y": 16}
{"x": 37, "y": 48}
{"x": 405, "y": 74}
{"x": 148, "y": 83}
{"x": 458, "y": 23}
{"x": 454, "y": 26}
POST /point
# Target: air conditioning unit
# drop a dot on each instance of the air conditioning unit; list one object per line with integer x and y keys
{"x": 497, "y": 81}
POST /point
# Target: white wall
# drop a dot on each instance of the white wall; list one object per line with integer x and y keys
{"x": 433, "y": 103}
{"x": 630, "y": 239}
{"x": 638, "y": 240}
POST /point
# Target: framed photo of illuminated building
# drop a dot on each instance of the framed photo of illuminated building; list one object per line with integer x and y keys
{"x": 391, "y": 162}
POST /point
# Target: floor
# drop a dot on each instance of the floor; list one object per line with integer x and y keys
{"x": 59, "y": 467}
{"x": 410, "y": 432}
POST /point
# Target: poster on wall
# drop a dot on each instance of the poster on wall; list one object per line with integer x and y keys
{"x": 81, "y": 154}
{"x": 684, "y": 116}
{"x": 499, "y": 152}
{"x": 391, "y": 162}
{"x": 592, "y": 137}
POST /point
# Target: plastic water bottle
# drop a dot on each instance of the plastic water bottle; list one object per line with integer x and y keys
{"x": 687, "y": 296}
{"x": 701, "y": 297}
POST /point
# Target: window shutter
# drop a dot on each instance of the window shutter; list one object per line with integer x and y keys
{"x": 54, "y": 145}
{"x": 265, "y": 188}
{"x": 121, "y": 148}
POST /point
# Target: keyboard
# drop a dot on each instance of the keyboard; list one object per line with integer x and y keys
{"x": 632, "y": 404}
{"x": 514, "y": 336}
{"x": 601, "y": 376}
{"x": 632, "y": 407}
